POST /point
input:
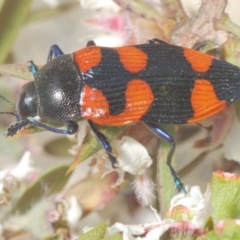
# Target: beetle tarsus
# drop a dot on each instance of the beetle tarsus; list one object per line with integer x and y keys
{"x": 32, "y": 67}
{"x": 104, "y": 143}
{"x": 14, "y": 128}
{"x": 179, "y": 185}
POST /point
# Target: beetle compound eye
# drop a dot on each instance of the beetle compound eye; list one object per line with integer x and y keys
{"x": 23, "y": 107}
{"x": 27, "y": 101}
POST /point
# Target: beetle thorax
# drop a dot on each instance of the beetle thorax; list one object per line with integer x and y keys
{"x": 58, "y": 88}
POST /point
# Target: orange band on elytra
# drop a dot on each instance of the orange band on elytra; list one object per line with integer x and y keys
{"x": 200, "y": 62}
{"x": 94, "y": 104}
{"x": 88, "y": 57}
{"x": 204, "y": 100}
{"x": 132, "y": 58}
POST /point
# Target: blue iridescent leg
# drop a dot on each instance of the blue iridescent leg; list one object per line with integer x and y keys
{"x": 104, "y": 143}
{"x": 165, "y": 136}
{"x": 72, "y": 127}
{"x": 54, "y": 51}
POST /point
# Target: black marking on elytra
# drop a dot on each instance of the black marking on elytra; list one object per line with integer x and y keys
{"x": 110, "y": 77}
{"x": 225, "y": 78}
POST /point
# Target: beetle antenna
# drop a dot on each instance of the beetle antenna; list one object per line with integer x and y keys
{"x": 18, "y": 118}
{"x": 11, "y": 113}
{"x": 3, "y": 98}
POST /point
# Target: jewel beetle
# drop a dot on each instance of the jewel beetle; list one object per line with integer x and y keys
{"x": 153, "y": 83}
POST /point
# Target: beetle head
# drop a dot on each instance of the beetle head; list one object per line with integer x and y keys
{"x": 26, "y": 107}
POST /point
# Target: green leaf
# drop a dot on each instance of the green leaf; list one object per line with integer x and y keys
{"x": 12, "y": 17}
{"x": 225, "y": 195}
{"x": 227, "y": 230}
{"x": 96, "y": 233}
{"x": 116, "y": 236}
{"x": 231, "y": 51}
{"x": 209, "y": 225}
{"x": 226, "y": 24}
{"x": 54, "y": 237}
{"x": 47, "y": 184}
{"x": 17, "y": 71}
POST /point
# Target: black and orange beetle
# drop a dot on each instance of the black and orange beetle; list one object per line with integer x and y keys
{"x": 154, "y": 83}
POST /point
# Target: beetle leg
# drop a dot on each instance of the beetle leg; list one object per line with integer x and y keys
{"x": 32, "y": 67}
{"x": 155, "y": 40}
{"x": 54, "y": 51}
{"x": 165, "y": 136}
{"x": 91, "y": 43}
{"x": 104, "y": 143}
{"x": 72, "y": 127}
{"x": 199, "y": 46}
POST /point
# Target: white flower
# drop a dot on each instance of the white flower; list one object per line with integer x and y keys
{"x": 8, "y": 183}
{"x": 157, "y": 229}
{"x": 151, "y": 231}
{"x": 97, "y": 4}
{"x": 69, "y": 210}
{"x": 128, "y": 231}
{"x": 24, "y": 168}
{"x": 73, "y": 212}
{"x": 53, "y": 3}
{"x": 10, "y": 179}
{"x": 144, "y": 188}
{"x": 131, "y": 155}
{"x": 3, "y": 175}
{"x": 52, "y": 216}
{"x": 194, "y": 199}
{"x": 197, "y": 204}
